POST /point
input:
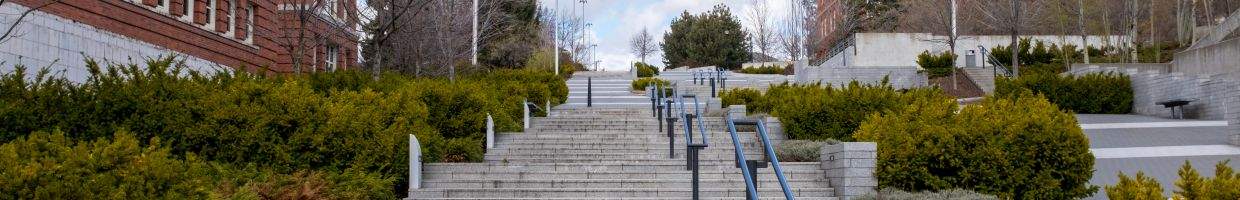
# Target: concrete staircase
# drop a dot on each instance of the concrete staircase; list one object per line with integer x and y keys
{"x": 610, "y": 153}
{"x": 984, "y": 77}
{"x": 610, "y": 90}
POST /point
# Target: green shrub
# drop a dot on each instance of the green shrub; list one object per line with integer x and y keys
{"x": 1139, "y": 187}
{"x": 949, "y": 194}
{"x": 937, "y": 65}
{"x": 815, "y": 112}
{"x": 801, "y": 150}
{"x": 739, "y": 96}
{"x": 765, "y": 69}
{"x": 641, "y": 83}
{"x": 52, "y": 166}
{"x": 1096, "y": 93}
{"x": 327, "y": 121}
{"x": 645, "y": 70}
{"x": 1019, "y": 148}
{"x": 1192, "y": 186}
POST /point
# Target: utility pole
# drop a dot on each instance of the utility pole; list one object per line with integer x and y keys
{"x": 1080, "y": 21}
{"x": 555, "y": 37}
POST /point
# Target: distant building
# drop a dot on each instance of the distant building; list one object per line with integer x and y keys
{"x": 250, "y": 35}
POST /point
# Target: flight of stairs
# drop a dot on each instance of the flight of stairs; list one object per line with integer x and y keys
{"x": 984, "y": 77}
{"x": 610, "y": 153}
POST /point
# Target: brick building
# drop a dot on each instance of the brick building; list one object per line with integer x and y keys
{"x": 260, "y": 36}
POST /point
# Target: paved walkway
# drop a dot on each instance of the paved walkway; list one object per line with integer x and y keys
{"x": 1157, "y": 146}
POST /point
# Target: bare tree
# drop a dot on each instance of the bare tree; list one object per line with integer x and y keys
{"x": 761, "y": 33}
{"x": 384, "y": 18}
{"x": 425, "y": 33}
{"x": 297, "y": 40}
{"x": 643, "y": 44}
{"x": 794, "y": 31}
{"x": 9, "y": 31}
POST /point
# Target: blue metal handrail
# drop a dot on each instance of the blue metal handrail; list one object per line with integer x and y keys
{"x": 768, "y": 150}
{"x": 740, "y": 160}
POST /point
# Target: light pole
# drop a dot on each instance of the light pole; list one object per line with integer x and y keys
{"x": 474, "y": 59}
{"x": 555, "y": 38}
{"x": 594, "y": 55}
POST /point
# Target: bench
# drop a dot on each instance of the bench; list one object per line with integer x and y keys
{"x": 1174, "y": 103}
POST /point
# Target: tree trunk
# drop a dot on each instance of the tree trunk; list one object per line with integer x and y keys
{"x": 1015, "y": 38}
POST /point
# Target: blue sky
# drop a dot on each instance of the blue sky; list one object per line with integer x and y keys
{"x": 615, "y": 21}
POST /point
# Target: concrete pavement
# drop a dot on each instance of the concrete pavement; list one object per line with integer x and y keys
{"x": 1156, "y": 146}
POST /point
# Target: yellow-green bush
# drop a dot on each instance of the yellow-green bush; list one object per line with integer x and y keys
{"x": 641, "y": 83}
{"x": 1014, "y": 148}
{"x": 1139, "y": 187}
{"x": 1097, "y": 93}
{"x": 817, "y": 112}
{"x": 327, "y": 121}
{"x": 937, "y": 65}
{"x": 52, "y": 166}
{"x": 645, "y": 70}
{"x": 765, "y": 69}
{"x": 739, "y": 96}
{"x": 1192, "y": 186}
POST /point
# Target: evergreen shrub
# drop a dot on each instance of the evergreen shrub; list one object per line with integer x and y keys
{"x": 1014, "y": 148}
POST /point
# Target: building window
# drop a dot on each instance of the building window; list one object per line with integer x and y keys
{"x": 332, "y": 57}
{"x": 232, "y": 18}
{"x": 249, "y": 23}
{"x": 331, "y": 8}
{"x": 187, "y": 8}
{"x": 210, "y": 15}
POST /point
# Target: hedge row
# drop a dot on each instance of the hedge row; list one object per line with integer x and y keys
{"x": 327, "y": 121}
{"x": 1015, "y": 148}
{"x": 1097, "y": 93}
{"x": 765, "y": 69}
{"x": 46, "y": 165}
{"x": 817, "y": 112}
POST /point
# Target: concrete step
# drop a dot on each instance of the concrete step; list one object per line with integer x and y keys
{"x": 634, "y": 198}
{"x": 706, "y": 160}
{"x": 615, "y": 183}
{"x": 612, "y": 156}
{"x": 606, "y": 192}
{"x": 590, "y": 167}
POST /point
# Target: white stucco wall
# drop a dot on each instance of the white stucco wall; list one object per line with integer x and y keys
{"x": 901, "y": 49}
{"x": 61, "y": 45}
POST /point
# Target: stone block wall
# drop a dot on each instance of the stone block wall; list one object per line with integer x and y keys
{"x": 899, "y": 77}
{"x": 1214, "y": 96}
{"x": 850, "y": 167}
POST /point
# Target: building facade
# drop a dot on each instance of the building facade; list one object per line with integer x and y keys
{"x": 210, "y": 35}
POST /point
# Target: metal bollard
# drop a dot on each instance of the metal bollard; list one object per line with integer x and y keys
{"x": 712, "y": 86}
{"x": 589, "y": 91}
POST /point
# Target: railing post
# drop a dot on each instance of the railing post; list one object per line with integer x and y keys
{"x": 491, "y": 131}
{"x": 653, "y": 99}
{"x": 689, "y": 141}
{"x": 712, "y": 86}
{"x": 693, "y": 165}
{"x": 415, "y": 164}
{"x": 589, "y": 91}
{"x": 525, "y": 108}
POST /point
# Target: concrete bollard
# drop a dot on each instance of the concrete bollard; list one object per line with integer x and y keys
{"x": 525, "y": 109}
{"x": 415, "y": 164}
{"x": 490, "y": 132}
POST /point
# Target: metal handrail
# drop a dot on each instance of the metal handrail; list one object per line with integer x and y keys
{"x": 740, "y": 160}
{"x": 768, "y": 150}
{"x": 991, "y": 59}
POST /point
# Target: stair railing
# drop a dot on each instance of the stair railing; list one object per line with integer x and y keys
{"x": 999, "y": 68}
{"x": 749, "y": 167}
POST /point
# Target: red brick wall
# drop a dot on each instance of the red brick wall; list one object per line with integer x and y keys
{"x": 141, "y": 23}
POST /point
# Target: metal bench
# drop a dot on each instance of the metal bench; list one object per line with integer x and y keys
{"x": 1174, "y": 103}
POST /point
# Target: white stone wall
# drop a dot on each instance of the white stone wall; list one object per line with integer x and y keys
{"x": 61, "y": 45}
{"x": 850, "y": 167}
{"x": 899, "y": 77}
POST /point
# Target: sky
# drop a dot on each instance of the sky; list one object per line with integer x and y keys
{"x": 616, "y": 21}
